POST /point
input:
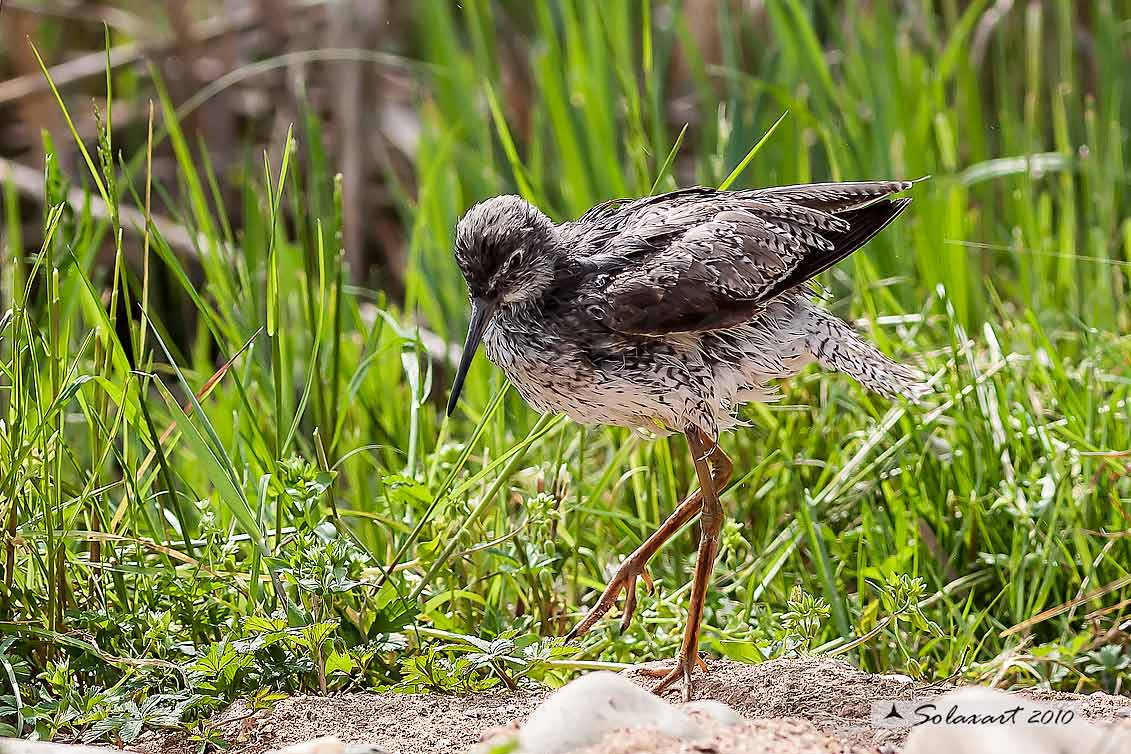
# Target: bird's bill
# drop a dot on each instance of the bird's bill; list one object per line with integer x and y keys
{"x": 481, "y": 312}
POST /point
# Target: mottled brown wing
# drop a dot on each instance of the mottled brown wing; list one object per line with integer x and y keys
{"x": 711, "y": 260}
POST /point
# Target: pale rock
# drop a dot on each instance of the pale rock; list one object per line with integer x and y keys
{"x": 898, "y": 678}
{"x": 584, "y": 711}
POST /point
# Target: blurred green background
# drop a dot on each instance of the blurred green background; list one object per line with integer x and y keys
{"x": 228, "y": 308}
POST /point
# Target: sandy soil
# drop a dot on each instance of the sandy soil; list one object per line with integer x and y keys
{"x": 805, "y": 706}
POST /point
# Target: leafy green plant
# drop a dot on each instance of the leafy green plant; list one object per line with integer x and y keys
{"x": 434, "y": 671}
{"x": 207, "y": 737}
{"x": 804, "y": 619}
{"x": 1111, "y": 662}
{"x": 123, "y": 720}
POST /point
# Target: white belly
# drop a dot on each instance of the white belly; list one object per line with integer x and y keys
{"x": 700, "y": 380}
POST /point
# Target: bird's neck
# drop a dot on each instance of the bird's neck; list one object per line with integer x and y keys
{"x": 521, "y": 311}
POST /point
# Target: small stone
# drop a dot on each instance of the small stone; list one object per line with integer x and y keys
{"x": 898, "y": 678}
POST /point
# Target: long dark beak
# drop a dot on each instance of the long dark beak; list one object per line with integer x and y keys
{"x": 481, "y": 312}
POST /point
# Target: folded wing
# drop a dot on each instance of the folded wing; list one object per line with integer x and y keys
{"x": 698, "y": 259}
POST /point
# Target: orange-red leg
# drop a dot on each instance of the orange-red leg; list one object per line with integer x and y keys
{"x": 636, "y": 564}
{"x": 703, "y": 449}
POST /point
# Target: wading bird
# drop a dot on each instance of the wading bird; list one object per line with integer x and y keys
{"x": 666, "y": 314}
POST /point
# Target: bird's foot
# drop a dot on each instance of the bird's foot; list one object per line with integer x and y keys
{"x": 673, "y": 671}
{"x": 624, "y": 580}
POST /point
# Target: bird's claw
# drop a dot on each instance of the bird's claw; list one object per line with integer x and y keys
{"x": 671, "y": 672}
{"x": 624, "y": 580}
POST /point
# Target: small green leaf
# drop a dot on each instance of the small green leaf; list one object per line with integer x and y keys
{"x": 314, "y": 635}
{"x": 338, "y": 663}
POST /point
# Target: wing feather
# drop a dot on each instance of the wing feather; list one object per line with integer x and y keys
{"x": 699, "y": 259}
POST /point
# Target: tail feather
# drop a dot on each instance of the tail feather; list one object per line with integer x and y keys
{"x": 836, "y": 346}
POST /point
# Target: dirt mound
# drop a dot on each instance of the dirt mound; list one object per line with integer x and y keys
{"x": 797, "y": 706}
{"x": 834, "y": 697}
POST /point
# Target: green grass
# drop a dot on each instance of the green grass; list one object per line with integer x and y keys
{"x": 266, "y": 497}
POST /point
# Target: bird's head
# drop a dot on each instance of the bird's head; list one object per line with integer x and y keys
{"x": 505, "y": 248}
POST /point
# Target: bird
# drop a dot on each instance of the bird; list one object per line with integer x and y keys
{"x": 665, "y": 314}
